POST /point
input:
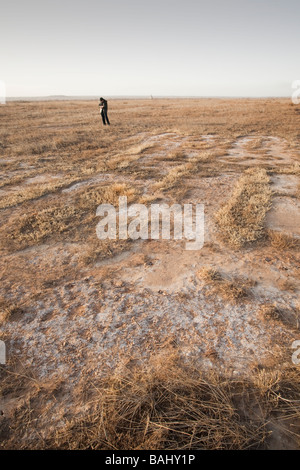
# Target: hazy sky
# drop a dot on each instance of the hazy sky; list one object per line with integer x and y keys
{"x": 158, "y": 47}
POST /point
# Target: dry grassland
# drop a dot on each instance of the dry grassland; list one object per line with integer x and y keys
{"x": 141, "y": 344}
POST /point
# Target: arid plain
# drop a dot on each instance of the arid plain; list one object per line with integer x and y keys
{"x": 142, "y": 344}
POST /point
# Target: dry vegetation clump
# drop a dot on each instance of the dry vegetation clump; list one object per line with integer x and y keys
{"x": 168, "y": 405}
{"x": 174, "y": 175}
{"x": 5, "y": 311}
{"x": 293, "y": 169}
{"x": 286, "y": 316}
{"x": 241, "y": 219}
{"x": 96, "y": 250}
{"x": 177, "y": 173}
{"x": 90, "y": 198}
{"x": 270, "y": 311}
{"x": 232, "y": 289}
{"x": 153, "y": 410}
{"x": 235, "y": 290}
{"x": 287, "y": 285}
{"x": 123, "y": 160}
{"x": 35, "y": 227}
{"x": 209, "y": 274}
{"x": 175, "y": 155}
{"x": 31, "y": 229}
{"x": 29, "y": 193}
{"x": 282, "y": 241}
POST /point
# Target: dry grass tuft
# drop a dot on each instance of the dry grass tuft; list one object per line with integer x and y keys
{"x": 282, "y": 241}
{"x": 124, "y": 160}
{"x": 209, "y": 274}
{"x": 235, "y": 290}
{"x": 152, "y": 410}
{"x": 173, "y": 177}
{"x": 293, "y": 169}
{"x": 89, "y": 199}
{"x": 5, "y": 312}
{"x": 167, "y": 405}
{"x": 232, "y": 289}
{"x": 285, "y": 316}
{"x": 241, "y": 219}
{"x": 270, "y": 312}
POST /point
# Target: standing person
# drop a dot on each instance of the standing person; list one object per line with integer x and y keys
{"x": 103, "y": 111}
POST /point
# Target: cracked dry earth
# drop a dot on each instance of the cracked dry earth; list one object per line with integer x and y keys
{"x": 121, "y": 309}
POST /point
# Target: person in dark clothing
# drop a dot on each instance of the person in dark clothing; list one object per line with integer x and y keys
{"x": 103, "y": 111}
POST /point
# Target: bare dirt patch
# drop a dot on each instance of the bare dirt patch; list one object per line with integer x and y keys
{"x": 284, "y": 216}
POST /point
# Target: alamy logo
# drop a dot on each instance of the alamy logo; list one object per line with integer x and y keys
{"x": 2, "y": 353}
{"x": 140, "y": 222}
{"x": 296, "y": 355}
{"x": 296, "y": 93}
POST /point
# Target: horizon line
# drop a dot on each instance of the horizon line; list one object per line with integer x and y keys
{"x": 149, "y": 97}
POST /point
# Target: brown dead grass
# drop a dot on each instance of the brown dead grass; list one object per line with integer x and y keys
{"x": 173, "y": 177}
{"x": 241, "y": 218}
{"x": 5, "y": 311}
{"x": 97, "y": 250}
{"x": 124, "y": 160}
{"x": 209, "y": 274}
{"x": 165, "y": 405}
{"x": 286, "y": 316}
{"x": 293, "y": 169}
{"x": 91, "y": 197}
{"x": 28, "y": 193}
{"x": 229, "y": 288}
{"x": 281, "y": 241}
{"x": 287, "y": 285}
{"x": 37, "y": 226}
{"x": 270, "y": 311}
